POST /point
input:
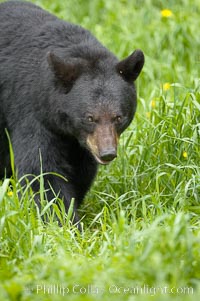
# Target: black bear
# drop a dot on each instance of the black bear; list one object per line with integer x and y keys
{"x": 62, "y": 94}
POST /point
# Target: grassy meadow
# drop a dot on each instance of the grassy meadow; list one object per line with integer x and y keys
{"x": 141, "y": 219}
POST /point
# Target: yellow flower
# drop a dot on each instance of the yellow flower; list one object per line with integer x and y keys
{"x": 185, "y": 155}
{"x": 9, "y": 193}
{"x": 153, "y": 103}
{"x": 148, "y": 115}
{"x": 166, "y": 86}
{"x": 166, "y": 13}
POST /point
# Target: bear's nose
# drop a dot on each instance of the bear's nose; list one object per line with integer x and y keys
{"x": 108, "y": 155}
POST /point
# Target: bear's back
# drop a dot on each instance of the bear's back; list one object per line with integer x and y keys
{"x": 23, "y": 12}
{"x": 29, "y": 22}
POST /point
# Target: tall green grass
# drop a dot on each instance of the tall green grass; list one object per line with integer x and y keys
{"x": 141, "y": 237}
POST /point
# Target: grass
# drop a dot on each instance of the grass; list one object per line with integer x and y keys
{"x": 141, "y": 219}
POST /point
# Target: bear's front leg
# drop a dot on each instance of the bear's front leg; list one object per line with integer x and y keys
{"x": 28, "y": 161}
{"x": 56, "y": 186}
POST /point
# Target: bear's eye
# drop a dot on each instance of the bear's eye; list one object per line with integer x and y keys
{"x": 118, "y": 119}
{"x": 90, "y": 118}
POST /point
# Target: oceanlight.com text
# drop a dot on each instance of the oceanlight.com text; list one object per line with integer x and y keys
{"x": 150, "y": 290}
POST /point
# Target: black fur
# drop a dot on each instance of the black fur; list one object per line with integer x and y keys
{"x": 57, "y": 85}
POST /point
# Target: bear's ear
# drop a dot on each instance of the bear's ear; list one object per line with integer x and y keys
{"x": 66, "y": 72}
{"x": 130, "y": 67}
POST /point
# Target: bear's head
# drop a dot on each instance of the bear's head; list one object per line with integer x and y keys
{"x": 96, "y": 99}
